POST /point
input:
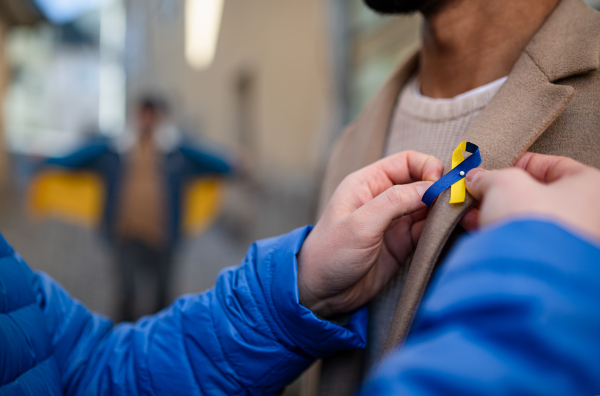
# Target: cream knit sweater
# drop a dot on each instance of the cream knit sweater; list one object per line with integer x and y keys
{"x": 435, "y": 126}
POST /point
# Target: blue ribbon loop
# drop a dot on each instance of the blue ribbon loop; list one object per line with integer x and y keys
{"x": 454, "y": 175}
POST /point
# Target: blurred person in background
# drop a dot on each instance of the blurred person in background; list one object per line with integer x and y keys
{"x": 514, "y": 302}
{"x": 145, "y": 172}
{"x": 509, "y": 76}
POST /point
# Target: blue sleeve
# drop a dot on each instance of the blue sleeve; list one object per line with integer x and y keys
{"x": 515, "y": 310}
{"x": 81, "y": 158}
{"x": 203, "y": 161}
{"x": 246, "y": 336}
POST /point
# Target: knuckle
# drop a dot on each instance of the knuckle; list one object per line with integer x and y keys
{"x": 351, "y": 177}
{"x": 352, "y": 180}
{"x": 397, "y": 195}
{"x": 357, "y": 227}
{"x": 509, "y": 176}
{"x": 392, "y": 196}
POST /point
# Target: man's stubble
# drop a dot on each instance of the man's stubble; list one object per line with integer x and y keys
{"x": 402, "y": 6}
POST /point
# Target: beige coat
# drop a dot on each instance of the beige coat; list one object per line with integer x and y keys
{"x": 550, "y": 104}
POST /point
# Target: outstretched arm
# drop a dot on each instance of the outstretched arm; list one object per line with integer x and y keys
{"x": 203, "y": 161}
{"x": 247, "y": 335}
{"x": 83, "y": 157}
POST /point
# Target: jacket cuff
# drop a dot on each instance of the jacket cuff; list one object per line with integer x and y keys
{"x": 302, "y": 328}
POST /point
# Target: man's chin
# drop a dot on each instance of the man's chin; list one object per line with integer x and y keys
{"x": 398, "y": 6}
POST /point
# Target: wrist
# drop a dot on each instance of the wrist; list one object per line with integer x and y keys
{"x": 302, "y": 328}
{"x": 307, "y": 285}
{"x": 307, "y": 298}
{"x": 320, "y": 306}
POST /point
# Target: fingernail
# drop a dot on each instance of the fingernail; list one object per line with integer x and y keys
{"x": 472, "y": 173}
{"x": 433, "y": 177}
{"x": 421, "y": 188}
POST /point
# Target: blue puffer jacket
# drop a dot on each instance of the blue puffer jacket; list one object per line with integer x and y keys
{"x": 515, "y": 310}
{"x": 247, "y": 335}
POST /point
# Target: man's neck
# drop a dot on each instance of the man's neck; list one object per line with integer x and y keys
{"x": 469, "y": 43}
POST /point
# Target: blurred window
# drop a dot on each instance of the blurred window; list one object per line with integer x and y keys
{"x": 593, "y": 3}
{"x": 61, "y": 11}
{"x": 377, "y": 46}
{"x": 70, "y": 82}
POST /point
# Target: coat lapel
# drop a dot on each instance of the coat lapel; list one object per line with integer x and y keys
{"x": 526, "y": 105}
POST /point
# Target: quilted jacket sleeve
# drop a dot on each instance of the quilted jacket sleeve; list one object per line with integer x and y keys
{"x": 246, "y": 336}
{"x": 514, "y": 311}
{"x": 80, "y": 158}
{"x": 204, "y": 161}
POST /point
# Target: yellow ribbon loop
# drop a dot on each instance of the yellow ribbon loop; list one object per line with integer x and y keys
{"x": 455, "y": 179}
{"x": 458, "y": 189}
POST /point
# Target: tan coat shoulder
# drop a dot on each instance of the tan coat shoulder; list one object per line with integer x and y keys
{"x": 576, "y": 132}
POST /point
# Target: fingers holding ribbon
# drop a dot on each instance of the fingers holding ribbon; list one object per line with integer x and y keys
{"x": 455, "y": 179}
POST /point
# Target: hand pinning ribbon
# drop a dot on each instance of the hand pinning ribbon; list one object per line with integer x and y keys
{"x": 456, "y": 177}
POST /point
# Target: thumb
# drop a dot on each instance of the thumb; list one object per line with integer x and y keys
{"x": 478, "y": 182}
{"x": 393, "y": 203}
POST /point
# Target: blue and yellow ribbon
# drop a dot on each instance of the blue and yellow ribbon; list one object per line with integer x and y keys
{"x": 455, "y": 179}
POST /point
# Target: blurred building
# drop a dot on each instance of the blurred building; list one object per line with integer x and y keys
{"x": 283, "y": 79}
{"x": 53, "y": 97}
{"x": 267, "y": 93}
{"x": 68, "y": 80}
{"x": 12, "y": 13}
